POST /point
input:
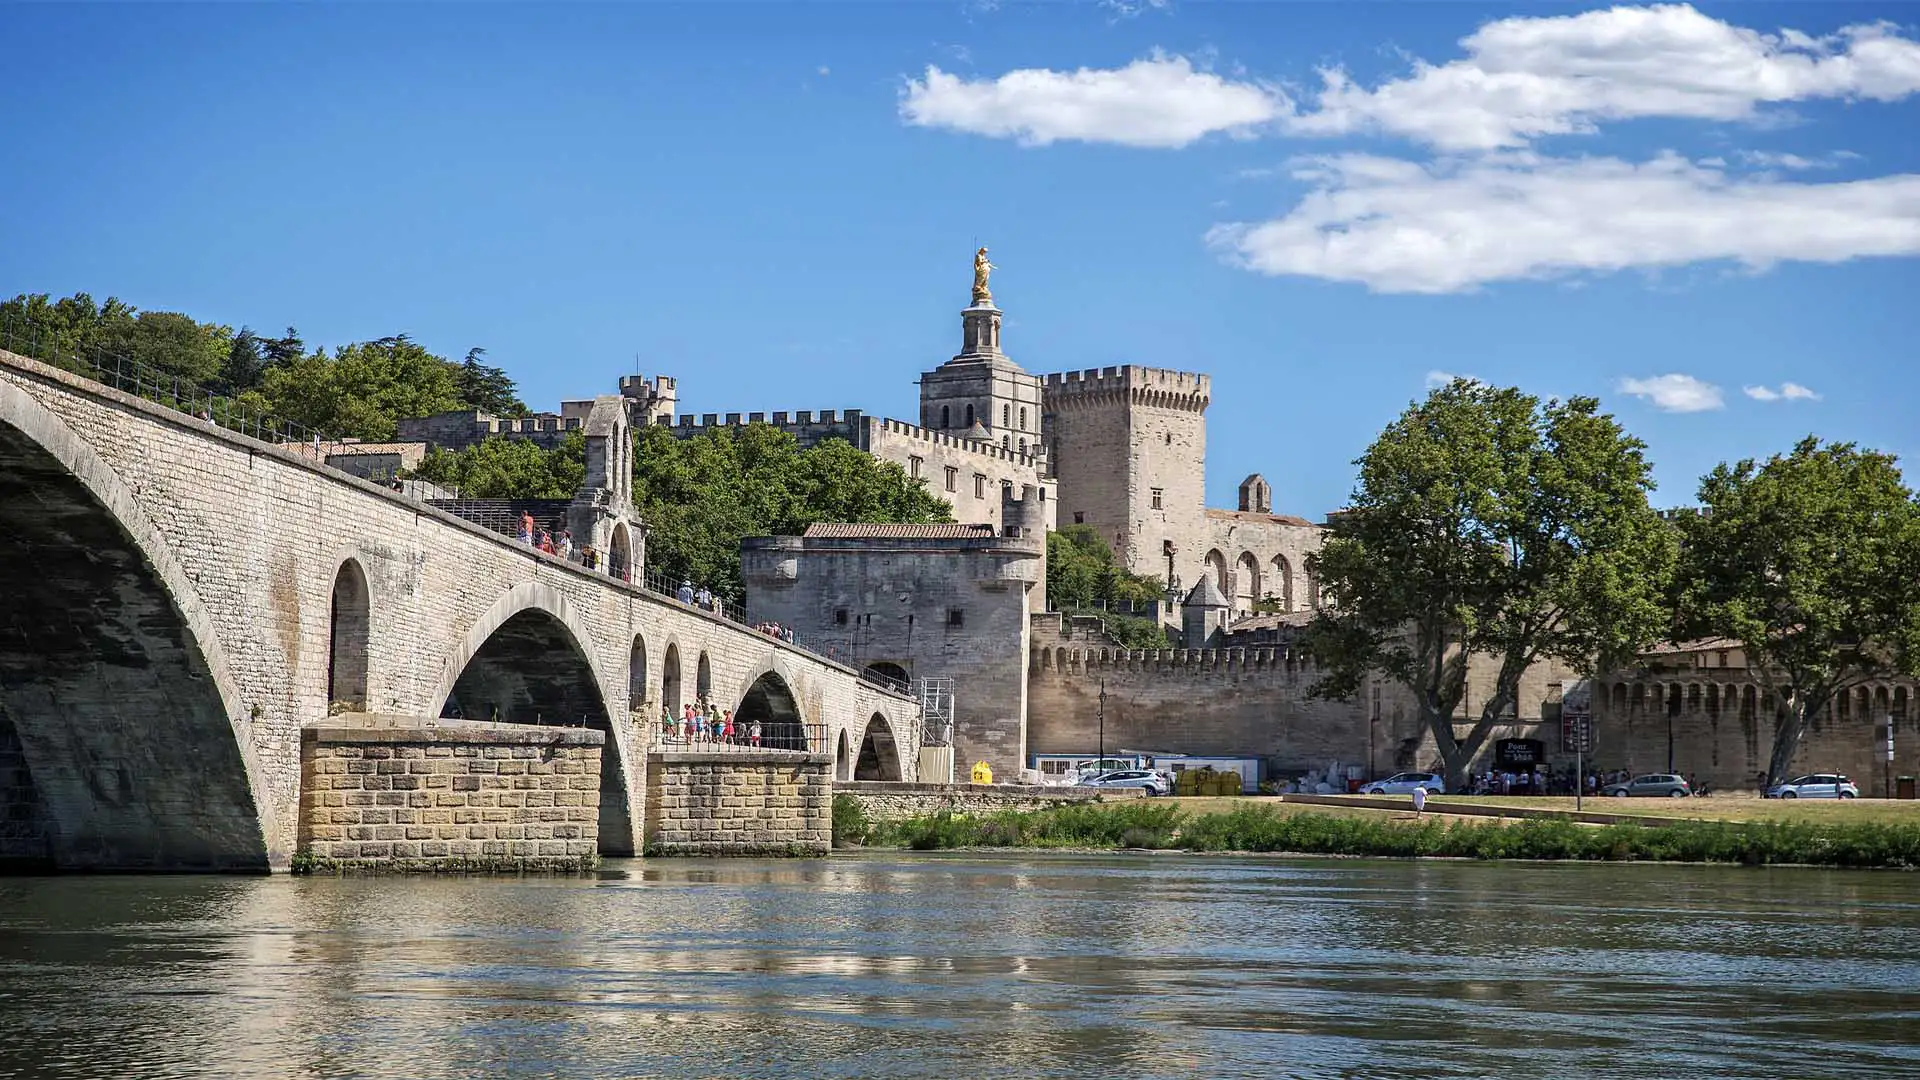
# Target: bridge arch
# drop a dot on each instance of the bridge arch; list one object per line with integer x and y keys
{"x": 879, "y": 755}
{"x": 114, "y": 684}
{"x": 530, "y": 659}
{"x": 769, "y": 699}
{"x": 842, "y": 757}
{"x": 349, "y": 625}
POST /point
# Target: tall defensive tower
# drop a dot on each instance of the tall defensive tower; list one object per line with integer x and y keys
{"x": 1129, "y": 446}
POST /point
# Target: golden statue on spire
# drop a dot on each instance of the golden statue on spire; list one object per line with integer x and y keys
{"x": 981, "y": 268}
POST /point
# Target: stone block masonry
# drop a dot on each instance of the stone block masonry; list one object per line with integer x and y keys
{"x": 768, "y": 803}
{"x": 459, "y": 797}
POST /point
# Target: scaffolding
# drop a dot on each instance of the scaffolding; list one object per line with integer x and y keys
{"x": 936, "y": 712}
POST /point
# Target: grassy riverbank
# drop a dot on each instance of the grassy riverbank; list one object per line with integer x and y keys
{"x": 1267, "y": 828}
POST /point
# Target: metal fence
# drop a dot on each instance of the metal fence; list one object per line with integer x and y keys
{"x": 129, "y": 376}
{"x": 682, "y": 736}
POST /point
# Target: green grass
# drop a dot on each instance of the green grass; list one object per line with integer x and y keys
{"x": 1269, "y": 827}
{"x": 1715, "y": 808}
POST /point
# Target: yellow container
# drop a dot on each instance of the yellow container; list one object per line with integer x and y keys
{"x": 982, "y": 773}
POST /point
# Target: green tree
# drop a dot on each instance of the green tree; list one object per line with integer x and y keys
{"x": 510, "y": 469}
{"x": 485, "y": 388}
{"x": 1484, "y": 523}
{"x": 244, "y": 365}
{"x": 1081, "y": 568}
{"x": 1812, "y": 562}
{"x": 701, "y": 496}
{"x": 363, "y": 390}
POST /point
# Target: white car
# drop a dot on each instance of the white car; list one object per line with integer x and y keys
{"x": 1153, "y": 782}
{"x": 1815, "y": 786}
{"x": 1404, "y": 783}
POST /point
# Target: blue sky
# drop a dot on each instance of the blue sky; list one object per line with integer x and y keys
{"x": 1663, "y": 207}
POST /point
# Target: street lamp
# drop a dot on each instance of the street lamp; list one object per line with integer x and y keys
{"x": 1102, "y": 765}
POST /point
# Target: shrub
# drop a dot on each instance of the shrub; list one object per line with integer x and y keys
{"x": 850, "y": 825}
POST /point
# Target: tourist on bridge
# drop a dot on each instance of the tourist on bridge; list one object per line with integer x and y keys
{"x": 685, "y": 595}
{"x": 566, "y": 544}
{"x": 726, "y": 728}
{"x": 705, "y": 600}
{"x": 526, "y": 527}
{"x": 753, "y": 733}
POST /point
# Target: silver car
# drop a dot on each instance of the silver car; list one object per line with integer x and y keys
{"x": 1815, "y": 786}
{"x": 1153, "y": 782}
{"x": 1658, "y": 784}
{"x": 1404, "y": 783}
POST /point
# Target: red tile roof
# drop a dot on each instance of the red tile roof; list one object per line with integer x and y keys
{"x": 836, "y": 531}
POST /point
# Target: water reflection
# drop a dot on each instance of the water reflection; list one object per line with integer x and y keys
{"x": 943, "y": 966}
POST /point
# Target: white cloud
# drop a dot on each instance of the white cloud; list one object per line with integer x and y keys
{"x": 1403, "y": 226}
{"x": 1526, "y": 77}
{"x": 1160, "y": 102}
{"x": 1789, "y": 391}
{"x": 1437, "y": 378}
{"x": 1674, "y": 393}
{"x": 1764, "y": 159}
{"x": 1127, "y": 9}
{"x": 823, "y": 71}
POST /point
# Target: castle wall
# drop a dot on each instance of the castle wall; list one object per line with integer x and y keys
{"x": 1242, "y": 702}
{"x": 458, "y": 430}
{"x": 1723, "y": 726}
{"x": 974, "y": 501}
{"x": 935, "y": 607}
{"x": 1254, "y": 556}
{"x": 1114, "y": 436}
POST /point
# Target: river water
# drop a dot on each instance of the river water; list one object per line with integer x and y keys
{"x": 971, "y": 966}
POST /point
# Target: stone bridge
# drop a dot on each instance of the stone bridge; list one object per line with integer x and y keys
{"x": 177, "y": 602}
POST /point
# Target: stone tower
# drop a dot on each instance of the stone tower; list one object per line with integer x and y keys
{"x": 1129, "y": 446}
{"x": 1256, "y": 496}
{"x": 981, "y": 386}
{"x": 652, "y": 401}
{"x": 1203, "y": 617}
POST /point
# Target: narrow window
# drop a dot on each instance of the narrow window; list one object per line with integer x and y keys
{"x": 839, "y": 616}
{"x": 946, "y": 416}
{"x": 913, "y": 466}
{"x": 1023, "y": 446}
{"x": 979, "y": 485}
{"x": 953, "y": 478}
{"x": 1079, "y": 517}
{"x": 970, "y": 419}
{"x": 1156, "y": 498}
{"x": 956, "y": 617}
{"x": 1006, "y": 442}
{"x": 1169, "y": 438}
{"x": 1004, "y": 417}
{"x": 1043, "y": 494}
{"x": 1023, "y": 418}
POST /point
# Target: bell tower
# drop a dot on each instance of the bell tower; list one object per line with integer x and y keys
{"x": 981, "y": 394}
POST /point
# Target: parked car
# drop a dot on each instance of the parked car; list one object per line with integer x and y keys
{"x": 1152, "y": 782}
{"x": 1404, "y": 783}
{"x": 1815, "y": 786}
{"x": 1665, "y": 785}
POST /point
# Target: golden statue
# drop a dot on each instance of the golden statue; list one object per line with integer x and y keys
{"x": 981, "y": 268}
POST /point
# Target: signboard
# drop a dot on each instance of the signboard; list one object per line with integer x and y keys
{"x": 1519, "y": 753}
{"x": 1576, "y": 718}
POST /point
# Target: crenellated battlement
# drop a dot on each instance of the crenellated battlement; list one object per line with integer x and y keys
{"x": 1070, "y": 661}
{"x": 806, "y": 425}
{"x": 1130, "y": 383}
{"x": 985, "y": 449}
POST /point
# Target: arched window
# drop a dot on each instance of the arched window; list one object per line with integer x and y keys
{"x": 1006, "y": 442}
{"x": 946, "y": 416}
{"x": 1005, "y": 415}
{"x": 1023, "y": 418}
{"x": 703, "y": 681}
{"x": 637, "y": 676}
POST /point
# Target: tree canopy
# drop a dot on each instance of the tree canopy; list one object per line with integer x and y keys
{"x": 509, "y": 469}
{"x": 1486, "y": 523}
{"x": 361, "y": 390}
{"x": 1811, "y": 560}
{"x": 1082, "y": 569}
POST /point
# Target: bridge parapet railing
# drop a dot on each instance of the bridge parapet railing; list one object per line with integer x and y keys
{"x": 684, "y": 737}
